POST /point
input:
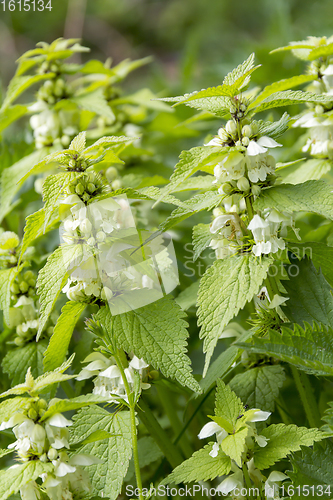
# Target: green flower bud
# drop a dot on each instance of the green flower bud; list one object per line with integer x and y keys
{"x": 238, "y": 143}
{"x": 319, "y": 109}
{"x": 9, "y": 240}
{"x": 14, "y": 288}
{"x": 227, "y": 188}
{"x": 42, "y": 403}
{"x": 100, "y": 236}
{"x": 71, "y": 163}
{"x": 79, "y": 189}
{"x": 256, "y": 190}
{"x": 52, "y": 454}
{"x": 154, "y": 375}
{"x": 243, "y": 184}
{"x": 117, "y": 184}
{"x": 231, "y": 127}
{"x": 24, "y": 287}
{"x": 247, "y": 131}
{"x": 32, "y": 282}
{"x": 43, "y": 458}
{"x": 232, "y": 109}
{"x": 91, "y": 187}
{"x": 86, "y": 197}
{"x": 217, "y": 211}
{"x": 91, "y": 177}
{"x": 54, "y": 68}
{"x": 245, "y": 141}
{"x": 32, "y": 414}
{"x": 19, "y": 342}
{"x": 48, "y": 85}
{"x": 242, "y": 107}
{"x": 28, "y": 275}
{"x": 91, "y": 241}
{"x": 111, "y": 174}
{"x": 255, "y": 127}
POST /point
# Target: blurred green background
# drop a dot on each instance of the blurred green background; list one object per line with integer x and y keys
{"x": 194, "y": 42}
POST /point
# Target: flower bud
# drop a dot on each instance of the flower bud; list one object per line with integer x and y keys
{"x": 247, "y": 131}
{"x": 106, "y": 294}
{"x": 52, "y": 454}
{"x": 86, "y": 197}
{"x": 100, "y": 236}
{"x": 256, "y": 190}
{"x": 243, "y": 184}
{"x": 245, "y": 141}
{"x": 54, "y": 68}
{"x": 43, "y": 457}
{"x": 32, "y": 413}
{"x": 24, "y": 287}
{"x": 117, "y": 184}
{"x": 91, "y": 187}
{"x": 227, "y": 188}
{"x": 71, "y": 163}
{"x": 319, "y": 109}
{"x": 91, "y": 241}
{"x": 111, "y": 174}
{"x": 255, "y": 127}
{"x": 85, "y": 226}
{"x": 242, "y": 107}
{"x": 19, "y": 342}
{"x": 238, "y": 143}
{"x": 42, "y": 403}
{"x": 79, "y": 189}
{"x": 223, "y": 134}
{"x": 217, "y": 211}
{"x": 233, "y": 109}
{"x": 154, "y": 375}
{"x": 14, "y": 288}
{"x": 231, "y": 127}
{"x": 9, "y": 240}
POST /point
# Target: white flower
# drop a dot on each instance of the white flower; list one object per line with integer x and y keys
{"x": 259, "y": 416}
{"x": 210, "y": 429}
{"x": 272, "y": 485}
{"x": 261, "y": 146}
{"x": 235, "y": 480}
{"x": 265, "y": 235}
{"x": 30, "y": 491}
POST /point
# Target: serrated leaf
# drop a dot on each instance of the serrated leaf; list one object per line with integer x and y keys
{"x": 157, "y": 333}
{"x": 54, "y": 377}
{"x": 79, "y": 142}
{"x": 9, "y": 115}
{"x": 286, "y": 84}
{"x": 260, "y": 386}
{"x": 313, "y": 169}
{"x": 287, "y": 98}
{"x": 201, "y": 239}
{"x": 282, "y": 440}
{"x": 6, "y": 278}
{"x": 310, "y": 296}
{"x": 11, "y": 179}
{"x": 62, "y": 405}
{"x": 19, "y": 84}
{"x": 313, "y": 467}
{"x": 34, "y": 227}
{"x": 227, "y": 404}
{"x": 54, "y": 187}
{"x": 225, "y": 288}
{"x": 115, "y": 452}
{"x": 194, "y": 183}
{"x": 309, "y": 349}
{"x": 240, "y": 71}
{"x": 198, "y": 202}
{"x": 94, "y": 102}
{"x": 12, "y": 405}
{"x": 16, "y": 362}
{"x": 311, "y": 196}
{"x": 63, "y": 330}
{"x": 234, "y": 445}
{"x": 52, "y": 278}
{"x": 321, "y": 51}
{"x": 200, "y": 467}
{"x": 320, "y": 254}
{"x": 190, "y": 162}
{"x": 274, "y": 129}
{"x": 108, "y": 141}
{"x": 12, "y": 479}
{"x": 188, "y": 297}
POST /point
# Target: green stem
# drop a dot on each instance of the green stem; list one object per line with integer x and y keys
{"x": 247, "y": 479}
{"x": 307, "y": 397}
{"x": 133, "y": 426}
{"x": 249, "y": 207}
{"x": 170, "y": 451}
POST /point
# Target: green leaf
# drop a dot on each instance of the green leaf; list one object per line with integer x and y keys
{"x": 282, "y": 440}
{"x": 225, "y": 288}
{"x": 311, "y": 196}
{"x": 6, "y": 278}
{"x": 52, "y": 278}
{"x": 16, "y": 362}
{"x": 201, "y": 239}
{"x": 53, "y": 188}
{"x": 79, "y": 142}
{"x": 288, "y": 97}
{"x": 320, "y": 254}
{"x": 227, "y": 405}
{"x": 34, "y": 227}
{"x": 95, "y": 102}
{"x": 313, "y": 467}
{"x": 310, "y": 349}
{"x": 12, "y": 405}
{"x": 234, "y": 445}
{"x": 190, "y": 162}
{"x": 321, "y": 51}
{"x": 9, "y": 115}
{"x": 50, "y": 378}
{"x": 200, "y": 467}
{"x": 188, "y": 297}
{"x": 260, "y": 386}
{"x": 63, "y": 330}
{"x": 108, "y": 141}
{"x": 199, "y": 202}
{"x": 238, "y": 73}
{"x": 310, "y": 296}
{"x": 11, "y": 179}
{"x": 62, "y": 405}
{"x": 308, "y": 170}
{"x": 12, "y": 479}
{"x": 114, "y": 452}
{"x": 157, "y": 333}
{"x": 194, "y": 183}
{"x": 274, "y": 129}
{"x": 148, "y": 452}
{"x": 287, "y": 83}
{"x": 21, "y": 83}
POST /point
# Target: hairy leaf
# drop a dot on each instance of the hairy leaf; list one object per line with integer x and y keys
{"x": 201, "y": 239}
{"x": 16, "y": 362}
{"x": 313, "y": 467}
{"x": 12, "y": 479}
{"x": 6, "y": 278}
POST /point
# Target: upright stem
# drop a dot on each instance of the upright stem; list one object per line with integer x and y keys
{"x": 249, "y": 207}
{"x": 307, "y": 397}
{"x": 133, "y": 426}
{"x": 247, "y": 479}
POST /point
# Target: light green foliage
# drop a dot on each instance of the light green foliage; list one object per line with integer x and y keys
{"x": 94, "y": 102}
{"x": 287, "y": 98}
{"x": 287, "y": 83}
{"x": 11, "y": 114}
{"x": 58, "y": 346}
{"x": 12, "y": 479}
{"x": 311, "y": 196}
{"x": 9, "y": 406}
{"x": 313, "y": 467}
{"x": 115, "y": 452}
{"x": 201, "y": 239}
{"x": 157, "y": 333}
{"x": 16, "y": 363}
{"x": 260, "y": 386}
{"x": 234, "y": 445}
{"x": 188, "y": 297}
{"x": 52, "y": 278}
{"x": 6, "y": 278}
{"x": 225, "y": 288}
{"x": 20, "y": 84}
{"x": 200, "y": 467}
{"x": 309, "y": 170}
{"x": 282, "y": 440}
{"x": 79, "y": 142}
{"x": 309, "y": 349}
{"x": 62, "y": 405}
{"x": 227, "y": 405}
{"x": 53, "y": 188}
{"x": 274, "y": 129}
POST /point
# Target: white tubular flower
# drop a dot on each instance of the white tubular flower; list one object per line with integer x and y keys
{"x": 272, "y": 485}
{"x": 230, "y": 168}
{"x": 261, "y": 146}
{"x": 57, "y": 432}
{"x": 259, "y": 416}
{"x": 210, "y": 429}
{"x": 30, "y": 491}
{"x": 259, "y": 166}
{"x": 265, "y": 236}
{"x": 227, "y": 233}
{"x": 235, "y": 480}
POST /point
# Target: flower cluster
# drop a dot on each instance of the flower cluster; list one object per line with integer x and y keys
{"x": 108, "y": 381}
{"x": 47, "y": 441}
{"x": 9, "y": 242}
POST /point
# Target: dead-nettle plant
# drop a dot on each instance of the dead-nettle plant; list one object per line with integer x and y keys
{"x": 93, "y": 279}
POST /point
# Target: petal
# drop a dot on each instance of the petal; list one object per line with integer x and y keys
{"x": 82, "y": 459}
{"x": 63, "y": 469}
{"x": 58, "y": 420}
{"x": 261, "y": 441}
{"x": 260, "y": 416}
{"x": 276, "y": 476}
{"x": 215, "y": 450}
{"x": 229, "y": 485}
{"x": 268, "y": 142}
{"x": 255, "y": 149}
{"x": 277, "y": 301}
{"x": 209, "y": 429}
